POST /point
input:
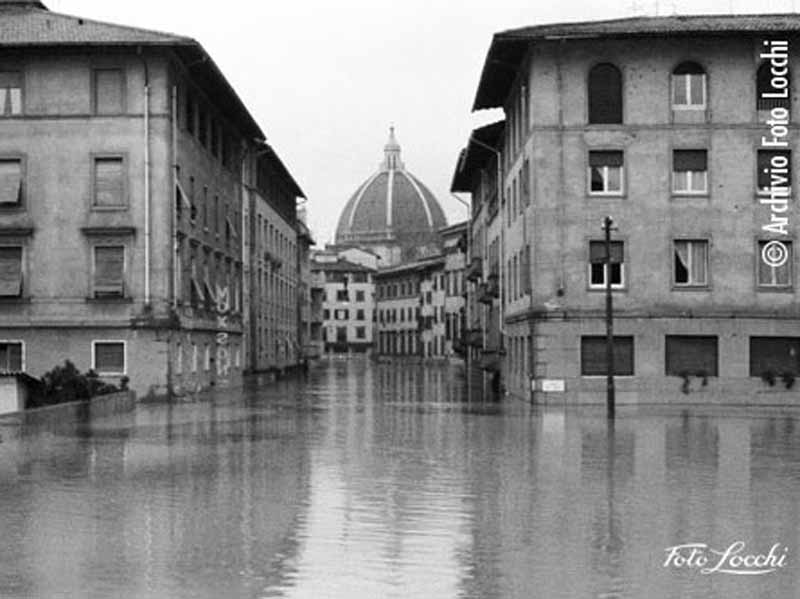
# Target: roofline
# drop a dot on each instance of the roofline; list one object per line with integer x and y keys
{"x": 508, "y": 48}
{"x": 455, "y": 227}
{"x": 270, "y": 151}
{"x": 416, "y": 265}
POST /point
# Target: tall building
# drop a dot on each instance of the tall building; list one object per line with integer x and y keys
{"x": 679, "y": 128}
{"x": 392, "y": 214}
{"x": 126, "y": 167}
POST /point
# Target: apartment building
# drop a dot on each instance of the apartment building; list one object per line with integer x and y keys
{"x": 679, "y": 128}
{"x": 126, "y": 163}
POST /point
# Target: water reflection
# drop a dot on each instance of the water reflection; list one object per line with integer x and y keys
{"x": 385, "y": 481}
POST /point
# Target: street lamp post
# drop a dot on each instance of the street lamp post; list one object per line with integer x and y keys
{"x": 608, "y": 225}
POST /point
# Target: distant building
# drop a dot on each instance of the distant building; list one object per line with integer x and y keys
{"x": 454, "y": 248}
{"x": 348, "y": 305}
{"x": 304, "y": 299}
{"x": 392, "y": 214}
{"x": 128, "y": 177}
{"x": 666, "y": 125}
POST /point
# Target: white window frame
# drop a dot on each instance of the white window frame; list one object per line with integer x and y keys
{"x": 604, "y": 174}
{"x": 690, "y": 258}
{"x": 620, "y": 285}
{"x": 19, "y": 342}
{"x": 195, "y": 358}
{"x": 124, "y": 356}
{"x": 790, "y": 265}
{"x": 690, "y": 177}
{"x": 688, "y": 79}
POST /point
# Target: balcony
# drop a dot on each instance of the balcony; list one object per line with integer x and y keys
{"x": 475, "y": 269}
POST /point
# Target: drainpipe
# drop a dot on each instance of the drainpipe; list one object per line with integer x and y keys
{"x": 146, "y": 178}
{"x": 173, "y": 262}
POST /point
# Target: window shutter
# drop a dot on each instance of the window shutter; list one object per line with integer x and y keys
{"x": 606, "y": 158}
{"x": 691, "y": 354}
{"x": 108, "y": 91}
{"x": 597, "y": 252}
{"x": 10, "y": 271}
{"x": 109, "y": 271}
{"x": 109, "y": 358}
{"x": 593, "y": 356}
{"x": 689, "y": 160}
{"x": 688, "y": 68}
{"x": 108, "y": 182}
{"x": 605, "y": 94}
{"x": 764, "y": 164}
{"x": 10, "y": 181}
{"x": 775, "y": 354}
{"x": 764, "y": 85}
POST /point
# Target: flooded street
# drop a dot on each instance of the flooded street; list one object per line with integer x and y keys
{"x": 384, "y": 481}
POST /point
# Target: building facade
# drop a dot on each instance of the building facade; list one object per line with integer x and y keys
{"x": 348, "y": 303}
{"x": 124, "y": 174}
{"x": 454, "y": 248}
{"x": 662, "y": 124}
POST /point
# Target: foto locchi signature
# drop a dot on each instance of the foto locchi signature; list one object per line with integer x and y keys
{"x": 736, "y": 559}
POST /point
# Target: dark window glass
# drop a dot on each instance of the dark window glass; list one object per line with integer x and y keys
{"x": 764, "y": 86}
{"x": 691, "y": 354}
{"x": 605, "y": 95}
{"x": 776, "y": 355}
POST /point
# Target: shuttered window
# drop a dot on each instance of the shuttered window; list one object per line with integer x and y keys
{"x": 593, "y": 356}
{"x": 605, "y": 172}
{"x": 109, "y": 271}
{"x": 689, "y": 171}
{"x": 691, "y": 354}
{"x": 10, "y": 93}
{"x": 605, "y": 95}
{"x": 109, "y": 182}
{"x": 688, "y": 87}
{"x": 10, "y": 182}
{"x": 109, "y": 357}
{"x": 108, "y": 91}
{"x": 774, "y": 354}
{"x": 774, "y": 170}
{"x": 10, "y": 271}
{"x": 10, "y": 356}
{"x": 598, "y": 268}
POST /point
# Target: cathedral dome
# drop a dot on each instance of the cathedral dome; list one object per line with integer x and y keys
{"x": 392, "y": 209}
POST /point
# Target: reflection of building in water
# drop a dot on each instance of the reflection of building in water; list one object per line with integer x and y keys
{"x": 658, "y": 123}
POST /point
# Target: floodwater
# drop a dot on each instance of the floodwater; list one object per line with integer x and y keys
{"x": 379, "y": 481}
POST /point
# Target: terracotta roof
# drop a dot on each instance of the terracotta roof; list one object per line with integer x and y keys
{"x": 509, "y": 47}
{"x": 30, "y": 24}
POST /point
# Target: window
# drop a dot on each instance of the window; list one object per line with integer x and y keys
{"x": 10, "y": 182}
{"x": 178, "y": 358}
{"x": 769, "y": 97}
{"x": 108, "y": 91}
{"x": 605, "y": 172}
{"x": 11, "y": 356}
{"x": 194, "y": 357}
{"x": 326, "y": 314}
{"x": 598, "y": 268}
{"x": 775, "y": 263}
{"x": 207, "y": 358}
{"x": 108, "y": 357}
{"x": 689, "y": 354}
{"x": 605, "y": 95}
{"x": 342, "y": 295}
{"x": 359, "y": 296}
{"x": 342, "y": 315}
{"x": 689, "y": 171}
{"x": 777, "y": 355}
{"x": 690, "y": 263}
{"x": 774, "y": 172}
{"x": 10, "y": 93}
{"x": 10, "y": 271}
{"x": 593, "y": 356}
{"x": 341, "y": 334}
{"x": 361, "y": 333}
{"x": 109, "y": 182}
{"x": 688, "y": 87}
{"x": 108, "y": 272}
{"x": 360, "y": 315}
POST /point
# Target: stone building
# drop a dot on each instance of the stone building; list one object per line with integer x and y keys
{"x": 126, "y": 168}
{"x": 347, "y": 290}
{"x": 660, "y": 123}
{"x": 392, "y": 214}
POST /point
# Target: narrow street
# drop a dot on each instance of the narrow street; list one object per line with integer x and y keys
{"x": 378, "y": 480}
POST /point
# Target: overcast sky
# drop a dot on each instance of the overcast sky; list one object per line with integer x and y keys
{"x": 326, "y": 78}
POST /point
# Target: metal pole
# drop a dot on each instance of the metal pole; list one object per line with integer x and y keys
{"x": 610, "y": 395}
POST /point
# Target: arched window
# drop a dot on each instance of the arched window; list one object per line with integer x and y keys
{"x": 688, "y": 87}
{"x": 605, "y": 94}
{"x": 772, "y": 89}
